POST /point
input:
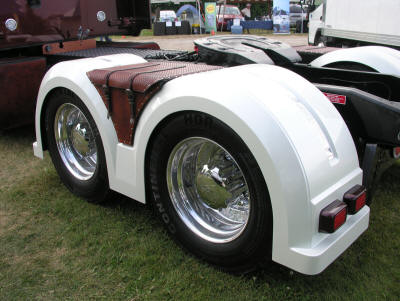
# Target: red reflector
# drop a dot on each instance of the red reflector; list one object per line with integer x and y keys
{"x": 355, "y": 198}
{"x": 336, "y": 98}
{"x": 196, "y": 49}
{"x": 340, "y": 218}
{"x": 332, "y": 216}
{"x": 396, "y": 152}
{"x": 361, "y": 201}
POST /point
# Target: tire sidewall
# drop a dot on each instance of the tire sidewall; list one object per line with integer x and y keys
{"x": 96, "y": 188}
{"x": 255, "y": 240}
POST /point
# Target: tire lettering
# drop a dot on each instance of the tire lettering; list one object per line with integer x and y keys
{"x": 208, "y": 122}
{"x": 165, "y": 218}
{"x": 188, "y": 119}
{"x": 198, "y": 119}
{"x": 172, "y": 228}
{"x": 153, "y": 180}
{"x": 160, "y": 208}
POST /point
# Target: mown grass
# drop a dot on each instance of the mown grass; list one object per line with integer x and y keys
{"x": 146, "y": 32}
{"x": 54, "y": 246}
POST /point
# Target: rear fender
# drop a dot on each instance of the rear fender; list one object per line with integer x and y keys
{"x": 71, "y": 75}
{"x": 299, "y": 140}
{"x": 382, "y": 59}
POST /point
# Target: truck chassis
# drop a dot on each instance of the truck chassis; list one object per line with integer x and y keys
{"x": 205, "y": 159}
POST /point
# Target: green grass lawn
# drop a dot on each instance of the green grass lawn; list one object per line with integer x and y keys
{"x": 54, "y": 246}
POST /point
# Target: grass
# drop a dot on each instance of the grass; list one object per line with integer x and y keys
{"x": 149, "y": 32}
{"x": 146, "y": 32}
{"x": 54, "y": 246}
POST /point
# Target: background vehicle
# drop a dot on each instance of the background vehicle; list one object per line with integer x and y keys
{"x": 296, "y": 13}
{"x": 351, "y": 23}
{"x": 281, "y": 20}
{"x": 226, "y": 13}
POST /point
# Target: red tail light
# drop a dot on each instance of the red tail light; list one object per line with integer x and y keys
{"x": 196, "y": 49}
{"x": 332, "y": 216}
{"x": 340, "y": 219}
{"x": 355, "y": 198}
{"x": 396, "y": 152}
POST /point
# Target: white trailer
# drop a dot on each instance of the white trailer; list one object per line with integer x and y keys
{"x": 356, "y": 22}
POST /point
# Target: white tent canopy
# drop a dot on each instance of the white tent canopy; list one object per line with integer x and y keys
{"x": 182, "y": 1}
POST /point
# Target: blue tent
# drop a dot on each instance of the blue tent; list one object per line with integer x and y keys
{"x": 187, "y": 8}
{"x": 192, "y": 14}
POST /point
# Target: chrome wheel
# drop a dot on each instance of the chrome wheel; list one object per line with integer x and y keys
{"x": 208, "y": 190}
{"x": 75, "y": 141}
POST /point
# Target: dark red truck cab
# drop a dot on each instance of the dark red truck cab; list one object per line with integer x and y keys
{"x": 29, "y": 29}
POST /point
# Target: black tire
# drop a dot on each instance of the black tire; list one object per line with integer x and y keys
{"x": 96, "y": 187}
{"x": 135, "y": 30}
{"x": 319, "y": 39}
{"x": 253, "y": 245}
{"x": 298, "y": 26}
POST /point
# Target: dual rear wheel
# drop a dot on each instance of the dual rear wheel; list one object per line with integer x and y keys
{"x": 203, "y": 181}
{"x": 209, "y": 191}
{"x": 75, "y": 147}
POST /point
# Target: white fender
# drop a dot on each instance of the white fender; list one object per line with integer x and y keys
{"x": 382, "y": 59}
{"x": 299, "y": 140}
{"x": 72, "y": 75}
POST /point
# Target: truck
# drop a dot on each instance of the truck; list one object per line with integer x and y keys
{"x": 355, "y": 23}
{"x": 33, "y": 30}
{"x": 246, "y": 151}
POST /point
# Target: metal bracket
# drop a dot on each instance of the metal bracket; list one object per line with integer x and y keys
{"x": 132, "y": 104}
{"x": 376, "y": 161}
{"x": 107, "y": 96}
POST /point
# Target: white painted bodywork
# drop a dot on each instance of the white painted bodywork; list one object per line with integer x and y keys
{"x": 382, "y": 59}
{"x": 374, "y": 22}
{"x": 314, "y": 24}
{"x": 299, "y": 140}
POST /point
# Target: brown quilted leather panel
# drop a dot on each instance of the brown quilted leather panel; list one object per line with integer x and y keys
{"x": 140, "y": 77}
{"x": 121, "y": 115}
{"x": 99, "y": 76}
{"x": 143, "y": 80}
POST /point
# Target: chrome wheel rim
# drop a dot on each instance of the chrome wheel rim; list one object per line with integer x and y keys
{"x": 75, "y": 141}
{"x": 208, "y": 190}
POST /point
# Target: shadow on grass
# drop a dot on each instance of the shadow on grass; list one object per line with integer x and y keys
{"x": 123, "y": 204}
{"x": 17, "y": 134}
